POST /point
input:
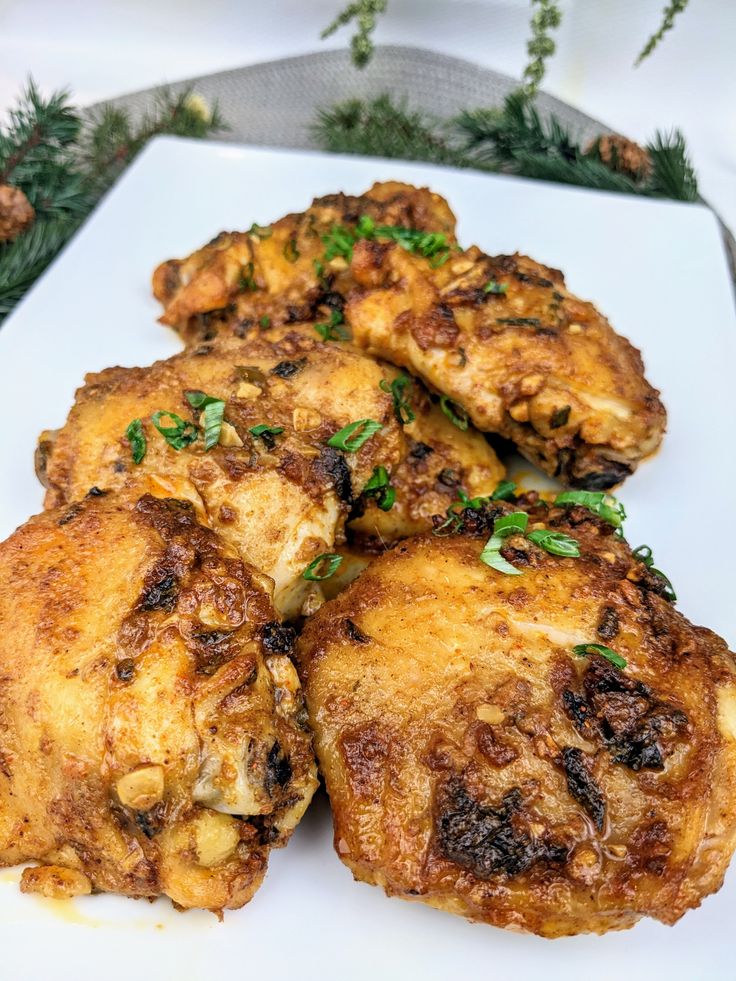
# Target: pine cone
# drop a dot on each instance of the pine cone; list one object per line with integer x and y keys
{"x": 16, "y": 212}
{"x": 621, "y": 155}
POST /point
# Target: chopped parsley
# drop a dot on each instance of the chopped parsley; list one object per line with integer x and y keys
{"x": 137, "y": 439}
{"x": 333, "y": 331}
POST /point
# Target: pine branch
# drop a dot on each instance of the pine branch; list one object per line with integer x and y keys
{"x": 365, "y": 12}
{"x": 381, "y": 128}
{"x": 671, "y": 11}
{"x": 673, "y": 175}
{"x": 111, "y": 140}
{"x": 23, "y": 260}
{"x": 37, "y": 131}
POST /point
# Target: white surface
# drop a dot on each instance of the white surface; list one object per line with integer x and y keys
{"x": 103, "y": 48}
{"x": 656, "y": 268}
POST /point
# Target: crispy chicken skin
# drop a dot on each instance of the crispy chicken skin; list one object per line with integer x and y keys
{"x": 282, "y": 501}
{"x": 440, "y": 459}
{"x": 505, "y": 339}
{"x": 241, "y": 277}
{"x": 153, "y": 739}
{"x": 475, "y": 764}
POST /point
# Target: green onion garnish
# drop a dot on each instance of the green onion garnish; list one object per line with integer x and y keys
{"x": 312, "y": 571}
{"x": 431, "y": 245}
{"x": 265, "y": 321}
{"x": 508, "y": 524}
{"x": 178, "y": 436}
{"x": 583, "y": 650}
{"x": 214, "y": 412}
{"x": 345, "y": 439}
{"x": 644, "y": 554}
{"x": 260, "y": 231}
{"x": 604, "y": 505}
{"x": 266, "y": 433}
{"x": 505, "y": 491}
{"x": 555, "y": 543}
{"x": 379, "y": 486}
{"x": 454, "y": 412}
{"x": 496, "y": 288}
{"x": 402, "y": 407}
{"x": 137, "y": 439}
{"x": 291, "y": 252}
{"x": 247, "y": 282}
{"x": 333, "y": 331}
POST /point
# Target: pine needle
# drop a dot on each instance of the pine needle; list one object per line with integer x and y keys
{"x": 546, "y": 17}
{"x": 673, "y": 175}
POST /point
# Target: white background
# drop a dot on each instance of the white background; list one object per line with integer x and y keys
{"x": 103, "y": 48}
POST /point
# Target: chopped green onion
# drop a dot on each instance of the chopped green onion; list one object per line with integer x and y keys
{"x": 511, "y": 524}
{"x": 213, "y": 413}
{"x": 402, "y": 407}
{"x": 266, "y": 433}
{"x": 291, "y": 252}
{"x": 644, "y": 554}
{"x": 604, "y": 505}
{"x": 260, "y": 231}
{"x": 137, "y": 439}
{"x": 508, "y": 524}
{"x": 312, "y": 571}
{"x": 431, "y": 245}
{"x": 505, "y": 491}
{"x": 333, "y": 331}
{"x": 349, "y": 443}
{"x": 555, "y": 543}
{"x": 519, "y": 321}
{"x": 265, "y": 321}
{"x": 319, "y": 269}
{"x": 454, "y": 412}
{"x": 247, "y": 282}
{"x": 379, "y": 486}
{"x": 583, "y": 650}
{"x": 559, "y": 417}
{"x": 178, "y": 436}
{"x": 496, "y": 288}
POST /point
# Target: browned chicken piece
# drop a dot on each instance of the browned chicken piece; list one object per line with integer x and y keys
{"x": 479, "y": 760}
{"x": 441, "y": 460}
{"x": 153, "y": 737}
{"x": 279, "y": 274}
{"x": 271, "y": 486}
{"x": 505, "y": 340}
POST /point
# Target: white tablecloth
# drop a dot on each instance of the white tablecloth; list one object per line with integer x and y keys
{"x": 102, "y": 48}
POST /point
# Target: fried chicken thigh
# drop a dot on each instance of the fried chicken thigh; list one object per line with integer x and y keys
{"x": 152, "y": 732}
{"x": 477, "y": 759}
{"x": 505, "y": 340}
{"x": 279, "y": 273}
{"x": 282, "y": 497}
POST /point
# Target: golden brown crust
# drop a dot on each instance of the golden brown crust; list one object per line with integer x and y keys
{"x": 505, "y": 339}
{"x": 474, "y": 763}
{"x": 282, "y": 502}
{"x": 239, "y": 278}
{"x": 440, "y": 459}
{"x": 153, "y": 738}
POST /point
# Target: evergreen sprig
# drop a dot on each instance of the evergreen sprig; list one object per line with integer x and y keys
{"x": 364, "y": 12}
{"x": 514, "y": 139}
{"x": 63, "y": 165}
{"x": 669, "y": 14}
{"x": 546, "y": 17}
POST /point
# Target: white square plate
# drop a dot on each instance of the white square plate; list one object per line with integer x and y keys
{"x": 657, "y": 269}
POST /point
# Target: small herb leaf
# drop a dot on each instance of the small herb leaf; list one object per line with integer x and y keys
{"x": 178, "y": 436}
{"x": 351, "y": 437}
{"x": 495, "y": 288}
{"x": 555, "y": 543}
{"x": 333, "y": 331}
{"x": 329, "y": 561}
{"x": 455, "y": 413}
{"x": 583, "y": 650}
{"x": 402, "y": 407}
{"x": 137, "y": 439}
